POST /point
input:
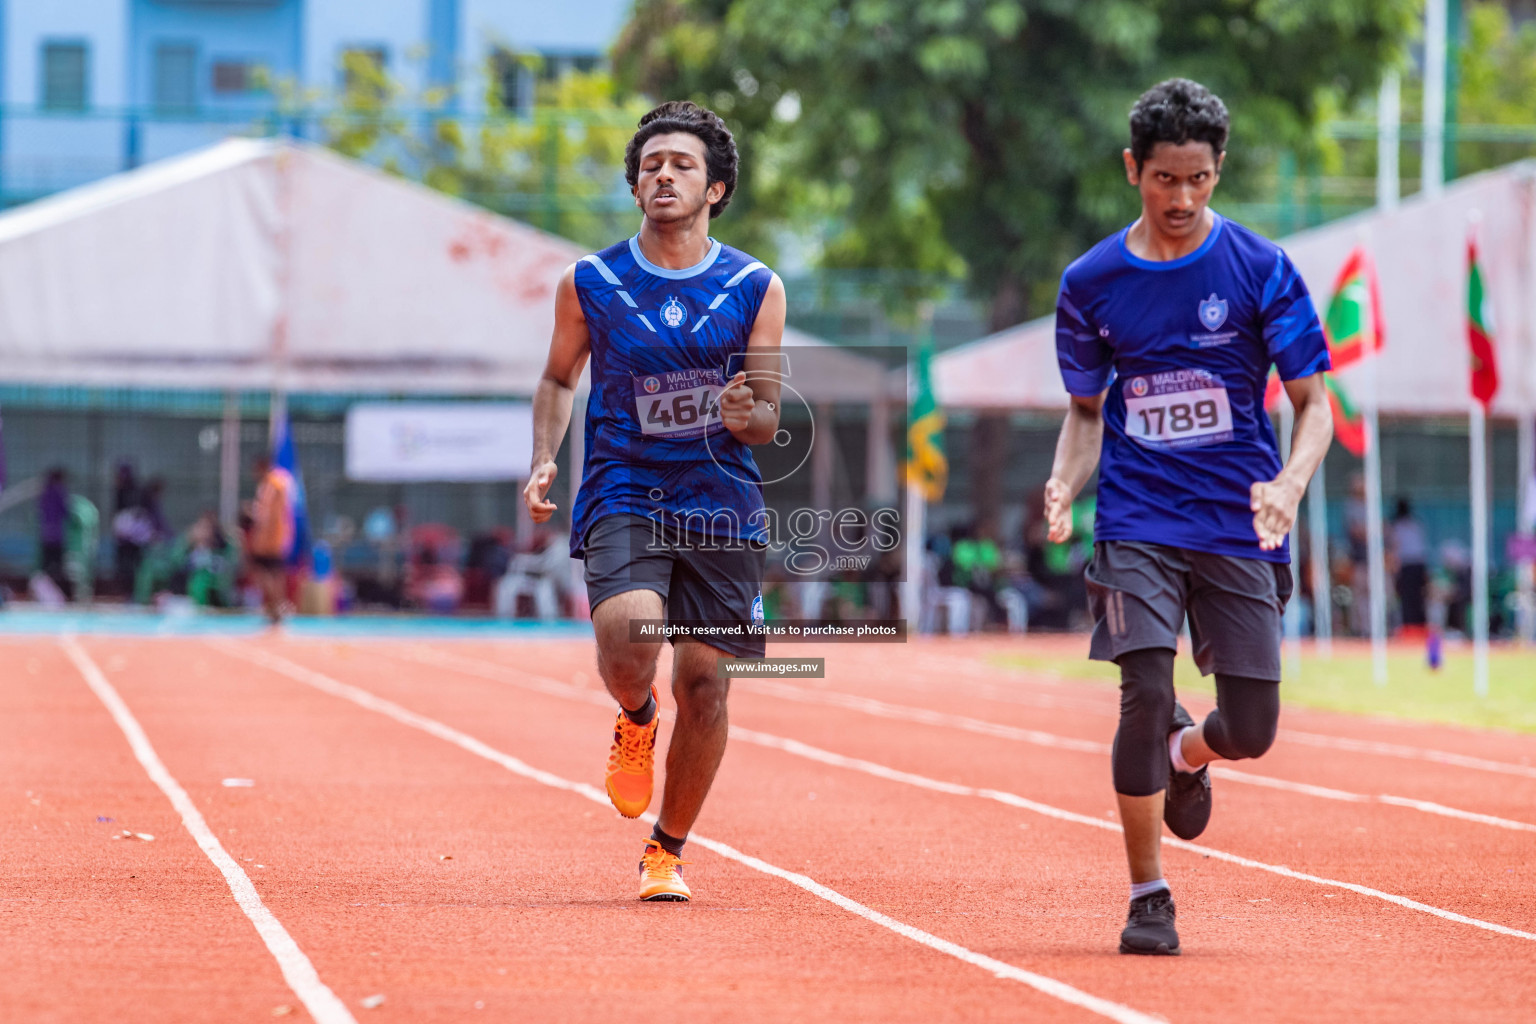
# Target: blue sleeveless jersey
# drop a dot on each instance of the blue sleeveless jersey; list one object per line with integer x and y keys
{"x": 664, "y": 342}
{"x": 1183, "y": 348}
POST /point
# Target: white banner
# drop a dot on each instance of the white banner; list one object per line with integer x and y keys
{"x": 454, "y": 442}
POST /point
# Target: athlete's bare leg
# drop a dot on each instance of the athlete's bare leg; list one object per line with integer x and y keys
{"x": 627, "y": 668}
{"x": 1142, "y": 819}
{"x": 1196, "y": 751}
{"x": 698, "y": 738}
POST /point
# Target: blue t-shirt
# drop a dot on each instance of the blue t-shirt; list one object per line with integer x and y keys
{"x": 1184, "y": 348}
{"x": 662, "y": 344}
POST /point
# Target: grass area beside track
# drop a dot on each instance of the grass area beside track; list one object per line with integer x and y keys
{"x": 1344, "y": 682}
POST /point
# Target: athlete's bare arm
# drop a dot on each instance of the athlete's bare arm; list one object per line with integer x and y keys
{"x": 568, "y": 351}
{"x": 1077, "y": 455}
{"x": 750, "y": 404}
{"x": 1274, "y": 503}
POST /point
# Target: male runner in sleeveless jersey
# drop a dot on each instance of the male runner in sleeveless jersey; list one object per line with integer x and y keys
{"x": 1165, "y": 333}
{"x": 669, "y": 516}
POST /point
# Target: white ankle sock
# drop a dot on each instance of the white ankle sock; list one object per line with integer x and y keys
{"x": 1176, "y": 750}
{"x": 1140, "y": 889}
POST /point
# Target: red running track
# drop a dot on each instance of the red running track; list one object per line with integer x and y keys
{"x": 400, "y": 834}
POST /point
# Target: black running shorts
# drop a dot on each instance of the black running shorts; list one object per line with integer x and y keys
{"x": 720, "y": 585}
{"x": 1140, "y": 593}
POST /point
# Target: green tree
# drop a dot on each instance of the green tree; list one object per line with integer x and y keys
{"x": 1497, "y": 84}
{"x": 558, "y": 166}
{"x": 984, "y": 134}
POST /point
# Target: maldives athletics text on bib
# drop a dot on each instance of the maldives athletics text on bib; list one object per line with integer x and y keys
{"x": 1177, "y": 409}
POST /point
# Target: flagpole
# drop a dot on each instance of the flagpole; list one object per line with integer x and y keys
{"x": 1322, "y": 581}
{"x": 1524, "y": 567}
{"x": 912, "y": 587}
{"x": 1377, "y": 560}
{"x": 1478, "y": 429}
{"x": 1292, "y": 609}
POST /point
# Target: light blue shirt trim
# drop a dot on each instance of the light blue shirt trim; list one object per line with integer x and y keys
{"x": 1182, "y": 261}
{"x": 674, "y": 275}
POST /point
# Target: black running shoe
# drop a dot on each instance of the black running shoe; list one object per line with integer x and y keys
{"x": 1149, "y": 927}
{"x": 1187, "y": 806}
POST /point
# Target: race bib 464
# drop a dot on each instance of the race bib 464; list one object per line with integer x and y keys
{"x": 679, "y": 404}
{"x": 1177, "y": 409}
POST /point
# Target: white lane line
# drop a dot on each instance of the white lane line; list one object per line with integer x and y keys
{"x": 1002, "y": 694}
{"x": 1313, "y": 739}
{"x": 1014, "y": 800}
{"x": 554, "y": 687}
{"x": 322, "y": 1004}
{"x": 925, "y": 716}
{"x": 1049, "y": 986}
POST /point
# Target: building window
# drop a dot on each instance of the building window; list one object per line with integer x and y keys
{"x": 364, "y": 70}
{"x": 65, "y": 76}
{"x": 512, "y": 81}
{"x": 233, "y": 77}
{"x": 175, "y": 77}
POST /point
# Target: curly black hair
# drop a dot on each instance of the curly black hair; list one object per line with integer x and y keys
{"x": 720, "y": 160}
{"x": 1178, "y": 111}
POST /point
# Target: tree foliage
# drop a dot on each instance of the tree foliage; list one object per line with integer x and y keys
{"x": 982, "y": 136}
{"x": 558, "y": 166}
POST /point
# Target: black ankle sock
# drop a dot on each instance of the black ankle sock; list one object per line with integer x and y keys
{"x": 671, "y": 844}
{"x": 644, "y": 714}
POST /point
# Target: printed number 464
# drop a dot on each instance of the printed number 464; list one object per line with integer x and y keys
{"x": 1179, "y": 418}
{"x": 682, "y": 410}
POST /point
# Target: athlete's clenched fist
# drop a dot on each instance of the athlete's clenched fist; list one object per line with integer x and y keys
{"x": 736, "y": 403}
{"x": 534, "y": 495}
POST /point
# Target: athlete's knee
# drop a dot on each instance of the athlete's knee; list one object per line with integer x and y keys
{"x": 700, "y": 695}
{"x": 628, "y": 665}
{"x": 1236, "y": 738}
{"x": 1246, "y": 718}
{"x": 1146, "y": 688}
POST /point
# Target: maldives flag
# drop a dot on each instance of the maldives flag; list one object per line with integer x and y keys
{"x": 1353, "y": 323}
{"x": 1485, "y": 361}
{"x": 1348, "y": 421}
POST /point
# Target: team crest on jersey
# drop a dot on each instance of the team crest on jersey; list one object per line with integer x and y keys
{"x": 1139, "y": 387}
{"x": 652, "y": 385}
{"x": 1213, "y": 312}
{"x": 673, "y": 314}
{"x": 757, "y": 610}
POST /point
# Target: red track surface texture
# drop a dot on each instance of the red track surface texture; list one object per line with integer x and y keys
{"x": 917, "y": 837}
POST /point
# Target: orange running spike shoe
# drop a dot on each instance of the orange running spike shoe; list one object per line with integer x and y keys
{"x": 661, "y": 875}
{"x": 631, "y": 762}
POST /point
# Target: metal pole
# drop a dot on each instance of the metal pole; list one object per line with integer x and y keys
{"x": 1374, "y": 533}
{"x": 1322, "y": 580}
{"x": 1292, "y": 609}
{"x": 1432, "y": 171}
{"x": 229, "y": 461}
{"x": 1389, "y": 115}
{"x": 912, "y": 586}
{"x": 1478, "y": 429}
{"x": 1526, "y": 520}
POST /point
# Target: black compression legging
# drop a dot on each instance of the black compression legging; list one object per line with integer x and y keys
{"x": 1243, "y": 724}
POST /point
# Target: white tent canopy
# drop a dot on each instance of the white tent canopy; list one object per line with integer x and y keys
{"x": 1420, "y": 254}
{"x": 261, "y": 264}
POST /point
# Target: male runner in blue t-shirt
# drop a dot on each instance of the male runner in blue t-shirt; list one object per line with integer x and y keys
{"x": 1165, "y": 333}
{"x": 669, "y": 517}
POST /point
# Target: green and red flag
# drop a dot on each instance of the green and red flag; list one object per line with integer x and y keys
{"x": 1485, "y": 362}
{"x": 1353, "y": 323}
{"x": 1348, "y": 422}
{"x": 1354, "y": 329}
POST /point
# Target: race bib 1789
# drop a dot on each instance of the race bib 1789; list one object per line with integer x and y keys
{"x": 1177, "y": 409}
{"x": 679, "y": 404}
